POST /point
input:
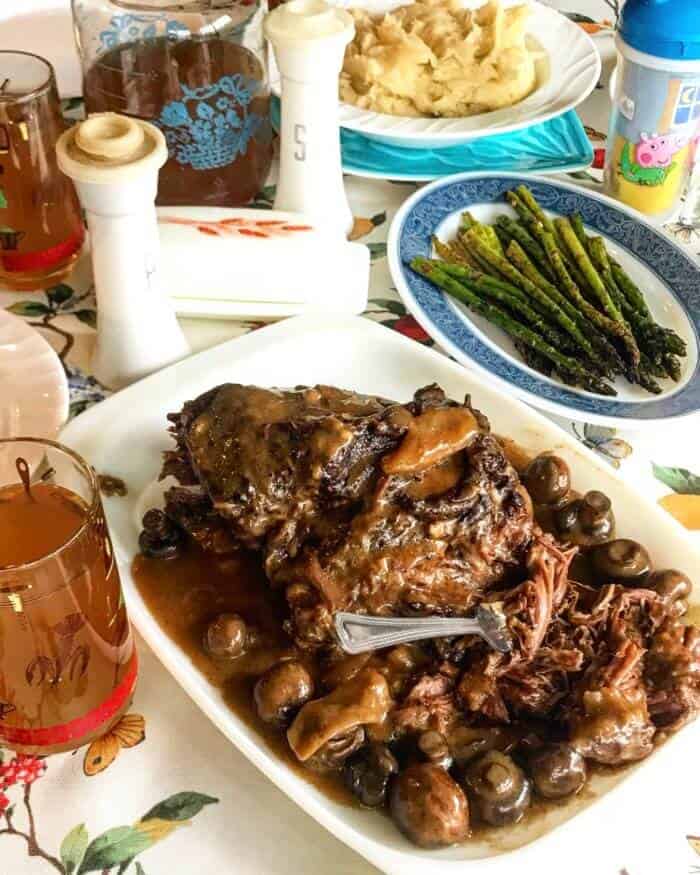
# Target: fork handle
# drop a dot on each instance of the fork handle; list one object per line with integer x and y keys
{"x": 358, "y": 633}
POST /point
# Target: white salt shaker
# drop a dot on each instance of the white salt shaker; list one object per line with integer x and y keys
{"x": 309, "y": 39}
{"x": 114, "y": 163}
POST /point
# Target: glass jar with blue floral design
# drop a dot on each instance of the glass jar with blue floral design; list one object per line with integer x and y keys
{"x": 195, "y": 68}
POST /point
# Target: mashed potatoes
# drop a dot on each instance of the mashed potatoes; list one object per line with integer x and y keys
{"x": 436, "y": 58}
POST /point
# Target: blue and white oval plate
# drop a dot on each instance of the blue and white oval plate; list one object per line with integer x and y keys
{"x": 668, "y": 277}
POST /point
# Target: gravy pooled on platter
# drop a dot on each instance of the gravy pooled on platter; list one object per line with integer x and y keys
{"x": 292, "y": 505}
{"x": 187, "y": 593}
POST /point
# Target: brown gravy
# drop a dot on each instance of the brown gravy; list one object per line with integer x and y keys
{"x": 186, "y": 593}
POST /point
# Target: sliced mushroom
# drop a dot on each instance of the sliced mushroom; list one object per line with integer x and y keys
{"x": 336, "y": 750}
{"x": 364, "y": 699}
{"x": 431, "y": 437}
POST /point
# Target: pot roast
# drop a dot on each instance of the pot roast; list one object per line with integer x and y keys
{"x": 358, "y": 503}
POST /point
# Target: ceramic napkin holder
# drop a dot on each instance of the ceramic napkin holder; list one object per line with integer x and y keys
{"x": 245, "y": 263}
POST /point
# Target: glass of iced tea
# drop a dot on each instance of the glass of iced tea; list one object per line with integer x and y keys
{"x": 41, "y": 227}
{"x": 68, "y": 664}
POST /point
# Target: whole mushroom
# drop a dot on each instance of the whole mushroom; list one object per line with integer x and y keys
{"x": 434, "y": 748}
{"x": 547, "y": 478}
{"x": 557, "y": 770}
{"x": 621, "y": 561}
{"x": 160, "y": 537}
{"x": 226, "y": 637}
{"x": 342, "y": 670}
{"x": 498, "y": 789}
{"x": 585, "y": 521}
{"x": 281, "y": 690}
{"x": 367, "y": 773}
{"x": 468, "y": 742}
{"x": 673, "y": 586}
{"x": 429, "y": 807}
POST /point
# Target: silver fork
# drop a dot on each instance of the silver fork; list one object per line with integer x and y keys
{"x": 359, "y": 633}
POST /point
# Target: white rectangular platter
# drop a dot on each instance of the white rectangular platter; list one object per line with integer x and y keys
{"x": 125, "y": 435}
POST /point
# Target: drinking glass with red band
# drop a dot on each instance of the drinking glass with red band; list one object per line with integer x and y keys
{"x": 68, "y": 664}
{"x": 41, "y": 227}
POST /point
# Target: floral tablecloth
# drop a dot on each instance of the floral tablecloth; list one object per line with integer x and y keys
{"x": 165, "y": 792}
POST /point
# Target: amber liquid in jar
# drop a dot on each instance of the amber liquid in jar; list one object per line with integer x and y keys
{"x": 67, "y": 658}
{"x": 210, "y": 99}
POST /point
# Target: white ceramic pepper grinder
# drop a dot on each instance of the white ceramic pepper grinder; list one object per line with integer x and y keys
{"x": 114, "y": 162}
{"x": 309, "y": 39}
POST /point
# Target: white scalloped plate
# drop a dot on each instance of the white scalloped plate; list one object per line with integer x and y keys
{"x": 566, "y": 78}
{"x": 33, "y": 386}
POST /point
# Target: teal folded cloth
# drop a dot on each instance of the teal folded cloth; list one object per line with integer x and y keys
{"x": 555, "y": 146}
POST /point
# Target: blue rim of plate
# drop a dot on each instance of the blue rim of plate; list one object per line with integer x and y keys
{"x": 556, "y": 146}
{"x": 426, "y": 210}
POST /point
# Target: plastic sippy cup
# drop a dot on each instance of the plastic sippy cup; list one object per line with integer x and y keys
{"x": 656, "y": 105}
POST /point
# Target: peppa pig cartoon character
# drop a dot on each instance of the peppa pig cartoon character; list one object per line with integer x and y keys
{"x": 651, "y": 160}
{"x": 656, "y": 151}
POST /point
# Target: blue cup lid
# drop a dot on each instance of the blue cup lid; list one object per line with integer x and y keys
{"x": 664, "y": 28}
